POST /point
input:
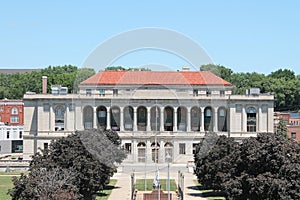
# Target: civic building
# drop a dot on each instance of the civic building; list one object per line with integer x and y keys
{"x": 157, "y": 114}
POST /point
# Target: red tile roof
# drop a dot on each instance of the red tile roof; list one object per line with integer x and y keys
{"x": 155, "y": 77}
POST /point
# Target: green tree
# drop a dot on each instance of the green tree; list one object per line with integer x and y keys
{"x": 91, "y": 155}
{"x": 265, "y": 167}
{"x": 218, "y": 70}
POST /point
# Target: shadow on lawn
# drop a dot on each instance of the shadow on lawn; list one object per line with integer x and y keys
{"x": 203, "y": 192}
{"x": 103, "y": 194}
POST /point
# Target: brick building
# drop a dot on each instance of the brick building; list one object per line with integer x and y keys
{"x": 11, "y": 112}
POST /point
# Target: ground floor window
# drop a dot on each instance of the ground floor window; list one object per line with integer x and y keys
{"x": 182, "y": 148}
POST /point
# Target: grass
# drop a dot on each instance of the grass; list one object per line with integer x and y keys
{"x": 13, "y": 173}
{"x": 209, "y": 194}
{"x": 103, "y": 195}
{"x": 140, "y": 184}
{"x": 5, "y": 184}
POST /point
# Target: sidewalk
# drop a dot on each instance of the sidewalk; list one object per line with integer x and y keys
{"x": 122, "y": 188}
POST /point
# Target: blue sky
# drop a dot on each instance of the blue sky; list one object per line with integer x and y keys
{"x": 245, "y": 36}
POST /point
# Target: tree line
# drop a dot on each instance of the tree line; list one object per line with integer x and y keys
{"x": 283, "y": 83}
{"x": 14, "y": 86}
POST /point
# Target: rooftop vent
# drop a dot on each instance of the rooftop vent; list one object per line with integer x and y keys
{"x": 253, "y": 91}
{"x": 58, "y": 89}
{"x": 185, "y": 68}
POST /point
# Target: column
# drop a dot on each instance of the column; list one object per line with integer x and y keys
{"x": 108, "y": 118}
{"x": 161, "y": 157}
{"x": 215, "y": 119}
{"x": 258, "y": 114}
{"x": 202, "y": 120}
{"x": 162, "y": 119}
{"x": 134, "y": 151}
{"x": 148, "y": 119}
{"x": 244, "y": 119}
{"x": 121, "y": 119}
{"x": 134, "y": 119}
{"x": 175, "y": 120}
{"x": 188, "y": 128}
{"x": 148, "y": 152}
{"x": 95, "y": 121}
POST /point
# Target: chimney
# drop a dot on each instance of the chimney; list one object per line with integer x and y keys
{"x": 44, "y": 84}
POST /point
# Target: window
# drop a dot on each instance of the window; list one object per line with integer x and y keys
{"x": 195, "y": 92}
{"x": 222, "y": 123}
{"x": 128, "y": 147}
{"x": 46, "y": 145}
{"x": 14, "y": 111}
{"x": 195, "y": 148}
{"x": 14, "y": 119}
{"x": 222, "y": 93}
{"x": 7, "y": 134}
{"x": 293, "y": 135}
{"x": 20, "y": 134}
{"x": 102, "y": 92}
{"x": 208, "y": 92}
{"x": 182, "y": 148}
{"x": 251, "y": 119}
{"x": 88, "y": 92}
{"x": 115, "y": 92}
{"x": 59, "y": 118}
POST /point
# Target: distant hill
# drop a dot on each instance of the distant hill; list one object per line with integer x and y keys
{"x": 15, "y": 71}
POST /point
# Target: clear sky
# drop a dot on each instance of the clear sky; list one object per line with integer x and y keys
{"x": 245, "y": 36}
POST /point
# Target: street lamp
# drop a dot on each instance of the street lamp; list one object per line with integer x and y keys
{"x": 168, "y": 157}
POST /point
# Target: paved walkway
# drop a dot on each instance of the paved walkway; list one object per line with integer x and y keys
{"x": 122, "y": 190}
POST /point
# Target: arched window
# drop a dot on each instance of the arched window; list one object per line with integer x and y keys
{"x": 208, "y": 119}
{"x": 59, "y": 111}
{"x": 155, "y": 118}
{"x": 128, "y": 118}
{"x": 181, "y": 119}
{"x": 251, "y": 119}
{"x": 14, "y": 111}
{"x": 115, "y": 118}
{"x": 102, "y": 117}
{"x": 141, "y": 152}
{"x": 142, "y": 118}
{"x": 155, "y": 148}
{"x": 195, "y": 119}
{"x": 222, "y": 122}
{"x": 88, "y": 117}
{"x": 168, "y": 118}
{"x": 168, "y": 152}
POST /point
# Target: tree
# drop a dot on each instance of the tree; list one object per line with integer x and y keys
{"x": 218, "y": 70}
{"x": 283, "y": 73}
{"x": 265, "y": 167}
{"x": 91, "y": 155}
{"x": 281, "y": 129}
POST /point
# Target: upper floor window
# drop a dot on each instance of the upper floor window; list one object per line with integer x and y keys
{"x": 251, "y": 119}
{"x": 59, "y": 118}
{"x": 20, "y": 134}
{"x": 222, "y": 93}
{"x": 293, "y": 135}
{"x": 208, "y": 92}
{"x": 14, "y": 111}
{"x": 7, "y": 135}
{"x": 14, "y": 119}
{"x": 88, "y": 92}
{"x": 195, "y": 92}
{"x": 102, "y": 92}
{"x": 115, "y": 92}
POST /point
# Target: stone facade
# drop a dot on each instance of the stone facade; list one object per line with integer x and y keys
{"x": 153, "y": 120}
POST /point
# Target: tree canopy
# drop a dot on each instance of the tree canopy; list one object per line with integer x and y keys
{"x": 266, "y": 167}
{"x": 14, "y": 86}
{"x": 90, "y": 156}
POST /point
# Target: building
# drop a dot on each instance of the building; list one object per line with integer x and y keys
{"x": 11, "y": 112}
{"x": 155, "y": 113}
{"x": 292, "y": 121}
{"x": 11, "y": 139}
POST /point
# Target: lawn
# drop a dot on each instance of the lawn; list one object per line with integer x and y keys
{"x": 5, "y": 184}
{"x": 209, "y": 194}
{"x": 140, "y": 184}
{"x": 103, "y": 195}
